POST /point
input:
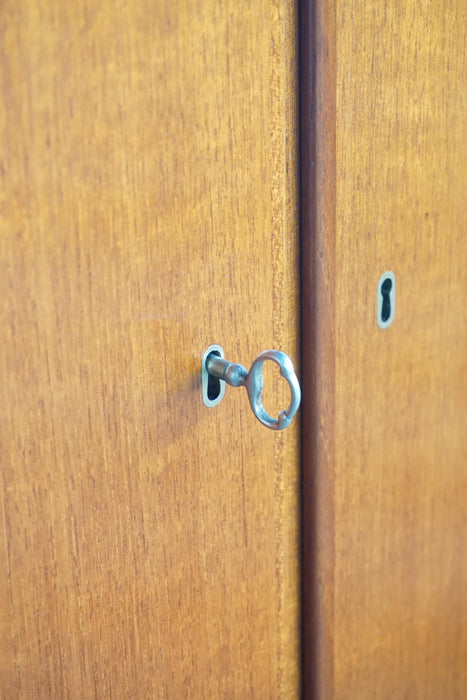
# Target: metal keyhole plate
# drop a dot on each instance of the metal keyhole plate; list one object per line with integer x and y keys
{"x": 213, "y": 389}
{"x": 386, "y": 300}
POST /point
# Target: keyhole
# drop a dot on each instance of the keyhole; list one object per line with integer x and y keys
{"x": 386, "y": 305}
{"x": 386, "y": 294}
{"x": 214, "y": 384}
{"x": 213, "y": 388}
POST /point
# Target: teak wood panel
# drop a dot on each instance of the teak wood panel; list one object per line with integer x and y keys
{"x": 385, "y": 457}
{"x": 148, "y": 209}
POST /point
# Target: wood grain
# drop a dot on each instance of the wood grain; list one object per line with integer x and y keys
{"x": 148, "y": 209}
{"x": 385, "y": 529}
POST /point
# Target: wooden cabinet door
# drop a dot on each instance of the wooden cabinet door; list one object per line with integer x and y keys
{"x": 385, "y": 469}
{"x": 148, "y": 209}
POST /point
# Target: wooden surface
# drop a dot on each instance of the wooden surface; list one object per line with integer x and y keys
{"x": 148, "y": 209}
{"x": 385, "y": 480}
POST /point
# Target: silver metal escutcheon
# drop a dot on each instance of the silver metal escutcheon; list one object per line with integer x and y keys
{"x": 232, "y": 373}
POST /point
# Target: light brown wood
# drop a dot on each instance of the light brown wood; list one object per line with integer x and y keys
{"x": 148, "y": 209}
{"x": 387, "y": 617}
